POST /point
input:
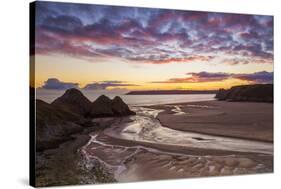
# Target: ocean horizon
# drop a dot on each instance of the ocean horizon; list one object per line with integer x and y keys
{"x": 132, "y": 100}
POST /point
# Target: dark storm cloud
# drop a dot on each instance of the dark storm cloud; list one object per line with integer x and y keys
{"x": 135, "y": 34}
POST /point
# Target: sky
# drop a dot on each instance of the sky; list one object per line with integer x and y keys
{"x": 97, "y": 47}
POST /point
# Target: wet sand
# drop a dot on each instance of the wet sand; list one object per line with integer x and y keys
{"x": 233, "y": 119}
{"x": 65, "y": 165}
{"x": 135, "y": 161}
{"x": 139, "y": 148}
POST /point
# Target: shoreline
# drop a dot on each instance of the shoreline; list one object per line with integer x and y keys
{"x": 65, "y": 165}
{"x": 244, "y": 117}
{"x": 214, "y": 134}
{"x": 142, "y": 159}
{"x": 221, "y": 135}
{"x": 173, "y": 149}
{"x": 206, "y": 101}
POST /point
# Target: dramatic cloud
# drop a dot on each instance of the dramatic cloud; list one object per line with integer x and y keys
{"x": 105, "y": 84}
{"x": 257, "y": 77}
{"x": 152, "y": 35}
{"x": 53, "y": 83}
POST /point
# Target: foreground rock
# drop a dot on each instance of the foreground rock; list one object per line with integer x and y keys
{"x": 105, "y": 107}
{"x": 65, "y": 165}
{"x": 249, "y": 93}
{"x": 53, "y": 126}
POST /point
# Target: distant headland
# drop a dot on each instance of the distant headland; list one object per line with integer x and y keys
{"x": 171, "y": 92}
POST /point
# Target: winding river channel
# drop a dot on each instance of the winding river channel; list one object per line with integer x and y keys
{"x": 140, "y": 148}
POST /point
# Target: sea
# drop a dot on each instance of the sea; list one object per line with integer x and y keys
{"x": 49, "y": 96}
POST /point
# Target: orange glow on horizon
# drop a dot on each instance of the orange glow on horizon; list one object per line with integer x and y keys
{"x": 176, "y": 86}
{"x": 83, "y": 72}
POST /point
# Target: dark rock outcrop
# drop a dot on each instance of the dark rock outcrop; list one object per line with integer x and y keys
{"x": 101, "y": 107}
{"x": 69, "y": 114}
{"x": 119, "y": 107}
{"x": 105, "y": 107}
{"x": 73, "y": 100}
{"x": 222, "y": 94}
{"x": 53, "y": 126}
{"x": 249, "y": 93}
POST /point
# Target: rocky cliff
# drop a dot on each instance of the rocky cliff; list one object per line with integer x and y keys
{"x": 53, "y": 126}
{"x": 69, "y": 114}
{"x": 249, "y": 93}
{"x": 105, "y": 107}
{"x": 73, "y": 100}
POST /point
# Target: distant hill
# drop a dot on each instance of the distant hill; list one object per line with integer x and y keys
{"x": 249, "y": 93}
{"x": 171, "y": 92}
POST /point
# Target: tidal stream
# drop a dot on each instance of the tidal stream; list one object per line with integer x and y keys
{"x": 138, "y": 162}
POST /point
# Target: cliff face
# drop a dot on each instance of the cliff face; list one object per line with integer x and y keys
{"x": 71, "y": 112}
{"x": 249, "y": 93}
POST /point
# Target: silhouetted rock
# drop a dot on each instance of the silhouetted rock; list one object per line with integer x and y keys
{"x": 68, "y": 114}
{"x": 250, "y": 93}
{"x": 120, "y": 108}
{"x": 221, "y": 94}
{"x": 53, "y": 126}
{"x": 105, "y": 107}
{"x": 73, "y": 100}
{"x": 101, "y": 107}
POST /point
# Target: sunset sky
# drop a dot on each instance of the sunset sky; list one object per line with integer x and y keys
{"x": 108, "y": 47}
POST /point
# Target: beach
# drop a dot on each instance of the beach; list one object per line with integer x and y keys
{"x": 233, "y": 119}
{"x": 165, "y": 141}
{"x": 184, "y": 140}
